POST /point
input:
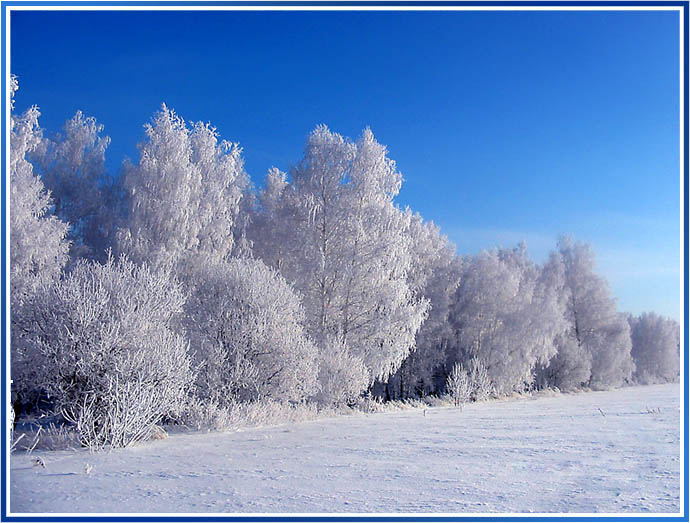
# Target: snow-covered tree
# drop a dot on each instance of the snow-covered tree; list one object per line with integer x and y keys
{"x": 571, "y": 366}
{"x": 184, "y": 193}
{"x": 434, "y": 274}
{"x": 507, "y": 316}
{"x": 245, "y": 324}
{"x": 458, "y": 385}
{"x": 72, "y": 166}
{"x": 655, "y": 348}
{"x": 569, "y": 369}
{"x": 273, "y": 220}
{"x": 107, "y": 351}
{"x": 38, "y": 244}
{"x": 343, "y": 244}
{"x": 595, "y": 325}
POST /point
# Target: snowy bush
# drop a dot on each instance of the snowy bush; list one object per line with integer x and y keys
{"x": 41, "y": 434}
{"x": 109, "y": 356}
{"x": 208, "y": 415}
{"x": 245, "y": 324}
{"x": 482, "y": 387}
{"x": 342, "y": 375}
{"x": 458, "y": 385}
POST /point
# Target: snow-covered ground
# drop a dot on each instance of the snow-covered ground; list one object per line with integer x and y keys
{"x": 545, "y": 454}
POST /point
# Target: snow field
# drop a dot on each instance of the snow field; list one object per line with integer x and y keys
{"x": 539, "y": 454}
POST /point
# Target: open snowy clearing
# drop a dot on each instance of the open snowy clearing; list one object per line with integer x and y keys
{"x": 545, "y": 454}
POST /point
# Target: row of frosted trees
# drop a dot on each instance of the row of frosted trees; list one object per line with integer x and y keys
{"x": 178, "y": 283}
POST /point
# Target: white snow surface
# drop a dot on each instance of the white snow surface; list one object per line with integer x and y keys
{"x": 540, "y": 454}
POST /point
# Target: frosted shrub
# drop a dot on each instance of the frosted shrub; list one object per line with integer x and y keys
{"x": 206, "y": 414}
{"x": 342, "y": 375}
{"x": 371, "y": 404}
{"x": 245, "y": 323}
{"x": 482, "y": 388}
{"x": 271, "y": 412}
{"x": 38, "y": 434}
{"x": 458, "y": 385}
{"x": 108, "y": 354}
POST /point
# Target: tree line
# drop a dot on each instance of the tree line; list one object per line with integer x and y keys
{"x": 178, "y": 282}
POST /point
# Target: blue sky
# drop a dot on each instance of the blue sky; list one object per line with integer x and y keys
{"x": 507, "y": 126}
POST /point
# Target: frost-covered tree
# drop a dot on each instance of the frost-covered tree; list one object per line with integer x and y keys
{"x": 184, "y": 193}
{"x": 38, "y": 244}
{"x": 342, "y": 242}
{"x": 458, "y": 385}
{"x": 506, "y": 316}
{"x": 655, "y": 348}
{"x": 594, "y": 324}
{"x": 272, "y": 221}
{"x": 107, "y": 351}
{"x": 72, "y": 167}
{"x": 433, "y": 274}
{"x": 571, "y": 366}
{"x": 569, "y": 369}
{"x": 245, "y": 324}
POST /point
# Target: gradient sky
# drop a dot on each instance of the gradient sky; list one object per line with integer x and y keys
{"x": 507, "y": 126}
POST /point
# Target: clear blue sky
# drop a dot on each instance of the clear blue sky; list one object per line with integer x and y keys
{"x": 507, "y": 126}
